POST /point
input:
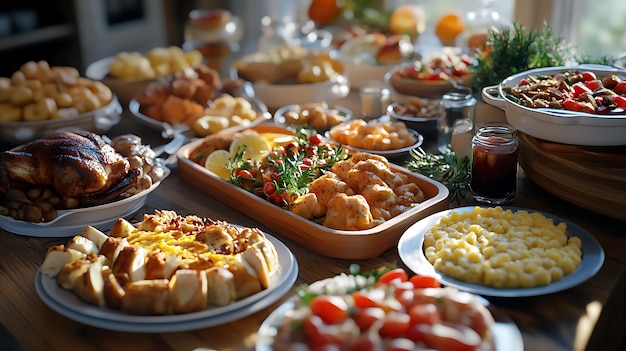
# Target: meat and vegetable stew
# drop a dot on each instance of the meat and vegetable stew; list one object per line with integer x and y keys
{"x": 579, "y": 91}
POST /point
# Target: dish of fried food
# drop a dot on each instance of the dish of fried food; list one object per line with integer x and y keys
{"x": 375, "y": 136}
{"x": 166, "y": 264}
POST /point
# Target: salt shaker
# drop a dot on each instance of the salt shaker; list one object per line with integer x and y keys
{"x": 495, "y": 150}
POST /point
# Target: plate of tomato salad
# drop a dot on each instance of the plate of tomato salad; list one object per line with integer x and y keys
{"x": 388, "y": 310}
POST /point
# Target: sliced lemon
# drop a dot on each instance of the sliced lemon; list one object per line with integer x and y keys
{"x": 255, "y": 146}
{"x": 216, "y": 162}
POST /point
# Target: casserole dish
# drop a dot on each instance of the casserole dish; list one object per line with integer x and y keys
{"x": 560, "y": 126}
{"x": 342, "y": 244}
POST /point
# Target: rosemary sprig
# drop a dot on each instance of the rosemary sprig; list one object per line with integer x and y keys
{"x": 449, "y": 169}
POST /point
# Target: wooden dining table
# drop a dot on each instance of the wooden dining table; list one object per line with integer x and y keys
{"x": 589, "y": 316}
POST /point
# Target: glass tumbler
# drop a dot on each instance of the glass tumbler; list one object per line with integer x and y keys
{"x": 457, "y": 110}
{"x": 495, "y": 150}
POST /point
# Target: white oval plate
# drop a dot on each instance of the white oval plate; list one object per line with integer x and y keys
{"x": 66, "y": 303}
{"x": 507, "y": 336}
{"x": 412, "y": 254}
{"x": 72, "y": 222}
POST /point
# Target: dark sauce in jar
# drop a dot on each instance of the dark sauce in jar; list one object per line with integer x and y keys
{"x": 494, "y": 163}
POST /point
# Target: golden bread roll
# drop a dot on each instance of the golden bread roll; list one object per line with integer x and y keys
{"x": 188, "y": 291}
{"x": 147, "y": 297}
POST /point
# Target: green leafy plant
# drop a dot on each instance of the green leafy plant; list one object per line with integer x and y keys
{"x": 513, "y": 50}
{"x": 449, "y": 169}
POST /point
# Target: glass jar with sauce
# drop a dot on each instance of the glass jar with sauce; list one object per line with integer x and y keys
{"x": 495, "y": 150}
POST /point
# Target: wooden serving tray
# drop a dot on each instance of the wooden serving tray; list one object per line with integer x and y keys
{"x": 592, "y": 177}
{"x": 343, "y": 244}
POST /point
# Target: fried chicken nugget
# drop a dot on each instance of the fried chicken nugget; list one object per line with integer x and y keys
{"x": 177, "y": 110}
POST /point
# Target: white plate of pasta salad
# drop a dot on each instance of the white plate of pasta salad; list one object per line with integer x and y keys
{"x": 501, "y": 251}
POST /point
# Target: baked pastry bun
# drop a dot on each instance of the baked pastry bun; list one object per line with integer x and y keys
{"x": 166, "y": 264}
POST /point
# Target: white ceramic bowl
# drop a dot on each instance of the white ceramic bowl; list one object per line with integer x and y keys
{"x": 125, "y": 89}
{"x": 97, "y": 121}
{"x": 561, "y": 126}
{"x": 277, "y": 95}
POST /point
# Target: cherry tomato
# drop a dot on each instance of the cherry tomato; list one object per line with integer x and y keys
{"x": 523, "y": 81}
{"x": 315, "y": 139}
{"x": 445, "y": 337}
{"x": 395, "y": 325}
{"x": 243, "y": 173}
{"x": 396, "y": 273}
{"x": 319, "y": 335}
{"x": 368, "y": 298}
{"x": 424, "y": 313}
{"x": 594, "y": 84}
{"x": 269, "y": 188}
{"x": 619, "y": 101}
{"x": 620, "y": 88}
{"x": 587, "y": 76}
{"x": 580, "y": 88}
{"x": 571, "y": 104}
{"x": 365, "y": 317}
{"x": 422, "y": 281}
{"x": 331, "y": 309}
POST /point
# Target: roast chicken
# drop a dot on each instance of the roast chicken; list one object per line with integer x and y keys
{"x": 80, "y": 166}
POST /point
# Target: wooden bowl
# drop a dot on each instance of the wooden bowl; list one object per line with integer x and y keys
{"x": 592, "y": 177}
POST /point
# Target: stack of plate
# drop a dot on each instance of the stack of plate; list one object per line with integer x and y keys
{"x": 592, "y": 177}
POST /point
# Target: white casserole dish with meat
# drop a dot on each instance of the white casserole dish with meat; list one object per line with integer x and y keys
{"x": 601, "y": 128}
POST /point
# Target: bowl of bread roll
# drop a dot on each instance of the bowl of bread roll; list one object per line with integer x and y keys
{"x": 129, "y": 73}
{"x": 286, "y": 75}
{"x": 38, "y": 99}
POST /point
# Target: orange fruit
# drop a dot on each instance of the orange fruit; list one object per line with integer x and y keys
{"x": 408, "y": 19}
{"x": 448, "y": 27}
{"x": 323, "y": 12}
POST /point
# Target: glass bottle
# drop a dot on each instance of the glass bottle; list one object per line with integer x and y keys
{"x": 495, "y": 150}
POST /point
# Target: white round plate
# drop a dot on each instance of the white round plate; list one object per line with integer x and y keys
{"x": 507, "y": 336}
{"x": 66, "y": 303}
{"x": 412, "y": 254}
{"x": 72, "y": 222}
{"x": 387, "y": 153}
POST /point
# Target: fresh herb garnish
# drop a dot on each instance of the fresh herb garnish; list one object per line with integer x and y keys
{"x": 449, "y": 169}
{"x": 514, "y": 50}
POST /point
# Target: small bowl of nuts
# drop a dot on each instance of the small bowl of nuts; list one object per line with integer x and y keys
{"x": 417, "y": 113}
{"x": 318, "y": 116}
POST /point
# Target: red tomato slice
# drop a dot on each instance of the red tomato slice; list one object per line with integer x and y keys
{"x": 396, "y": 273}
{"x": 580, "y": 88}
{"x": 594, "y": 84}
{"x": 619, "y": 101}
{"x": 424, "y": 314}
{"x": 365, "y": 317}
{"x": 571, "y": 104}
{"x": 331, "y": 309}
{"x": 422, "y": 281}
{"x": 445, "y": 337}
{"x": 368, "y": 298}
{"x": 587, "y": 76}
